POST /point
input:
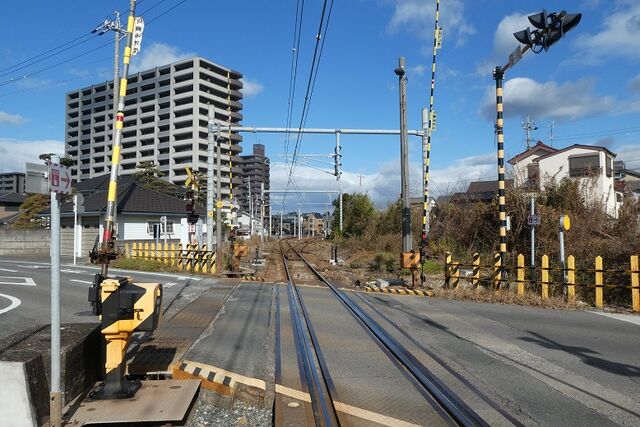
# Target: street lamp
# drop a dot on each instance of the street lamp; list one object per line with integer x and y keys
{"x": 549, "y": 29}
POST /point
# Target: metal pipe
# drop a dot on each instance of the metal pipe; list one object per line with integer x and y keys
{"x": 533, "y": 234}
{"x": 56, "y": 391}
{"x": 321, "y": 130}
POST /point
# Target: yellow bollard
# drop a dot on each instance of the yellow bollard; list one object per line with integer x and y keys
{"x": 154, "y": 252}
{"x": 456, "y": 274}
{"x": 571, "y": 278}
{"x": 447, "y": 269}
{"x": 635, "y": 283}
{"x": 475, "y": 280}
{"x": 126, "y": 250}
{"x": 172, "y": 254}
{"x": 165, "y": 253}
{"x": 520, "y": 274}
{"x": 134, "y": 250}
{"x": 190, "y": 257}
{"x": 497, "y": 271}
{"x": 545, "y": 277}
{"x": 146, "y": 250}
{"x": 599, "y": 282}
{"x": 179, "y": 254}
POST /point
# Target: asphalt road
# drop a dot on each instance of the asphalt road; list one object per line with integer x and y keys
{"x": 545, "y": 367}
{"x": 25, "y": 291}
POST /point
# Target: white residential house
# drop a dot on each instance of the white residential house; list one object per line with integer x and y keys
{"x": 591, "y": 165}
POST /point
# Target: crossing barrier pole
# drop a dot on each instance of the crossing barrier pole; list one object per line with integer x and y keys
{"x": 520, "y": 274}
{"x": 599, "y": 282}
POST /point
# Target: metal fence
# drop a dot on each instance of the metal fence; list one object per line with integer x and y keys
{"x": 541, "y": 279}
{"x": 192, "y": 258}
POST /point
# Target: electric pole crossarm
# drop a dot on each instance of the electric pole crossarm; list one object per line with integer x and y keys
{"x": 320, "y": 131}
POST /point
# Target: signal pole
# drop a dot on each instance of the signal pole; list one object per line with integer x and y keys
{"x": 404, "y": 158}
{"x": 210, "y": 143}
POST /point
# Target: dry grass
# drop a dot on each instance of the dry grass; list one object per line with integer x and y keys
{"x": 486, "y": 295}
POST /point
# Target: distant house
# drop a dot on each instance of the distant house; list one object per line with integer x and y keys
{"x": 485, "y": 191}
{"x": 10, "y": 202}
{"x": 142, "y": 214}
{"x": 591, "y": 165}
{"x": 627, "y": 181}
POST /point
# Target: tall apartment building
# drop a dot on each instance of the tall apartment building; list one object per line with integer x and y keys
{"x": 255, "y": 168}
{"x": 12, "y": 181}
{"x": 165, "y": 121}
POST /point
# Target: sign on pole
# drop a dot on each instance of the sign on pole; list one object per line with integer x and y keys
{"x": 137, "y": 35}
{"x": 533, "y": 220}
{"x": 515, "y": 56}
{"x": 37, "y": 178}
{"x": 59, "y": 178}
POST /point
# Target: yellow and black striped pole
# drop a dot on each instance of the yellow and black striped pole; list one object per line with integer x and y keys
{"x": 108, "y": 237}
{"x": 430, "y": 127}
{"x": 498, "y": 75}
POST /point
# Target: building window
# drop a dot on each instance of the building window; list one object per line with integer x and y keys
{"x": 533, "y": 175}
{"x": 152, "y": 224}
{"x": 609, "y": 168}
{"x": 584, "y": 166}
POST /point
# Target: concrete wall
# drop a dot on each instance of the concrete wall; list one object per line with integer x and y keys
{"x": 38, "y": 241}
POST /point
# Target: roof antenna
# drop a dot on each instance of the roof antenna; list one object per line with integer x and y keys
{"x": 529, "y": 125}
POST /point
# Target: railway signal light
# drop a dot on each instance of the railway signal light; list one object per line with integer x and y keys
{"x": 550, "y": 28}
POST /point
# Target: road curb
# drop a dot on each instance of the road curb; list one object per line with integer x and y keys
{"x": 395, "y": 291}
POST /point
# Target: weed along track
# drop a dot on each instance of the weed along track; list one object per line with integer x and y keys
{"x": 353, "y": 371}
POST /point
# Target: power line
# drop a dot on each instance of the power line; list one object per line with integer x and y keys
{"x": 309, "y": 91}
{"x": 297, "y": 29}
{"x": 16, "y": 79}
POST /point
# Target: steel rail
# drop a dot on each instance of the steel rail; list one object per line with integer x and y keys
{"x": 452, "y": 404}
{"x": 317, "y": 378}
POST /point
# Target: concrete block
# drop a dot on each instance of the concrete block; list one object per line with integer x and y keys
{"x": 27, "y": 355}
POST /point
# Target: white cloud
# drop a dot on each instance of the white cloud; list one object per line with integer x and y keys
{"x": 630, "y": 154}
{"x": 251, "y": 87}
{"x": 155, "y": 55}
{"x": 11, "y": 119}
{"x": 417, "y": 16}
{"x": 618, "y": 37}
{"x": 503, "y": 41}
{"x": 383, "y": 185}
{"x": 14, "y": 153}
{"x": 523, "y": 96}
{"x": 418, "y": 70}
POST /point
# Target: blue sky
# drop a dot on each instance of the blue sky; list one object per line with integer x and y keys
{"x": 588, "y": 84}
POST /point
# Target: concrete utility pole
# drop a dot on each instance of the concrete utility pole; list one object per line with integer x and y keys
{"x": 261, "y": 211}
{"x": 56, "y": 391}
{"x": 407, "y": 243}
{"x": 250, "y": 207}
{"x": 533, "y": 234}
{"x": 299, "y": 224}
{"x": 210, "y": 143}
{"x": 339, "y": 175}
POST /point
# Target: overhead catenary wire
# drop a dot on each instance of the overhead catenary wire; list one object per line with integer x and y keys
{"x": 317, "y": 55}
{"x": 295, "y": 50}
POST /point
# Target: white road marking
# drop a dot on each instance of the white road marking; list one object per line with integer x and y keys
{"x": 630, "y": 318}
{"x": 66, "y": 270}
{"x": 84, "y": 282}
{"x": 169, "y": 284}
{"x": 34, "y": 266}
{"x": 14, "y": 303}
{"x": 9, "y": 271}
{"x": 26, "y": 281}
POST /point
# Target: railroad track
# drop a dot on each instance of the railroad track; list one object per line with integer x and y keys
{"x": 317, "y": 377}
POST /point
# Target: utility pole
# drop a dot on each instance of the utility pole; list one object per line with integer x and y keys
{"x": 553, "y": 124}
{"x": 404, "y": 158}
{"x": 250, "y": 208}
{"x": 210, "y": 143}
{"x": 270, "y": 221}
{"x": 528, "y": 126}
{"x": 261, "y": 211}
{"x": 281, "y": 224}
{"x": 533, "y": 233}
{"x": 338, "y": 173}
{"x": 299, "y": 224}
